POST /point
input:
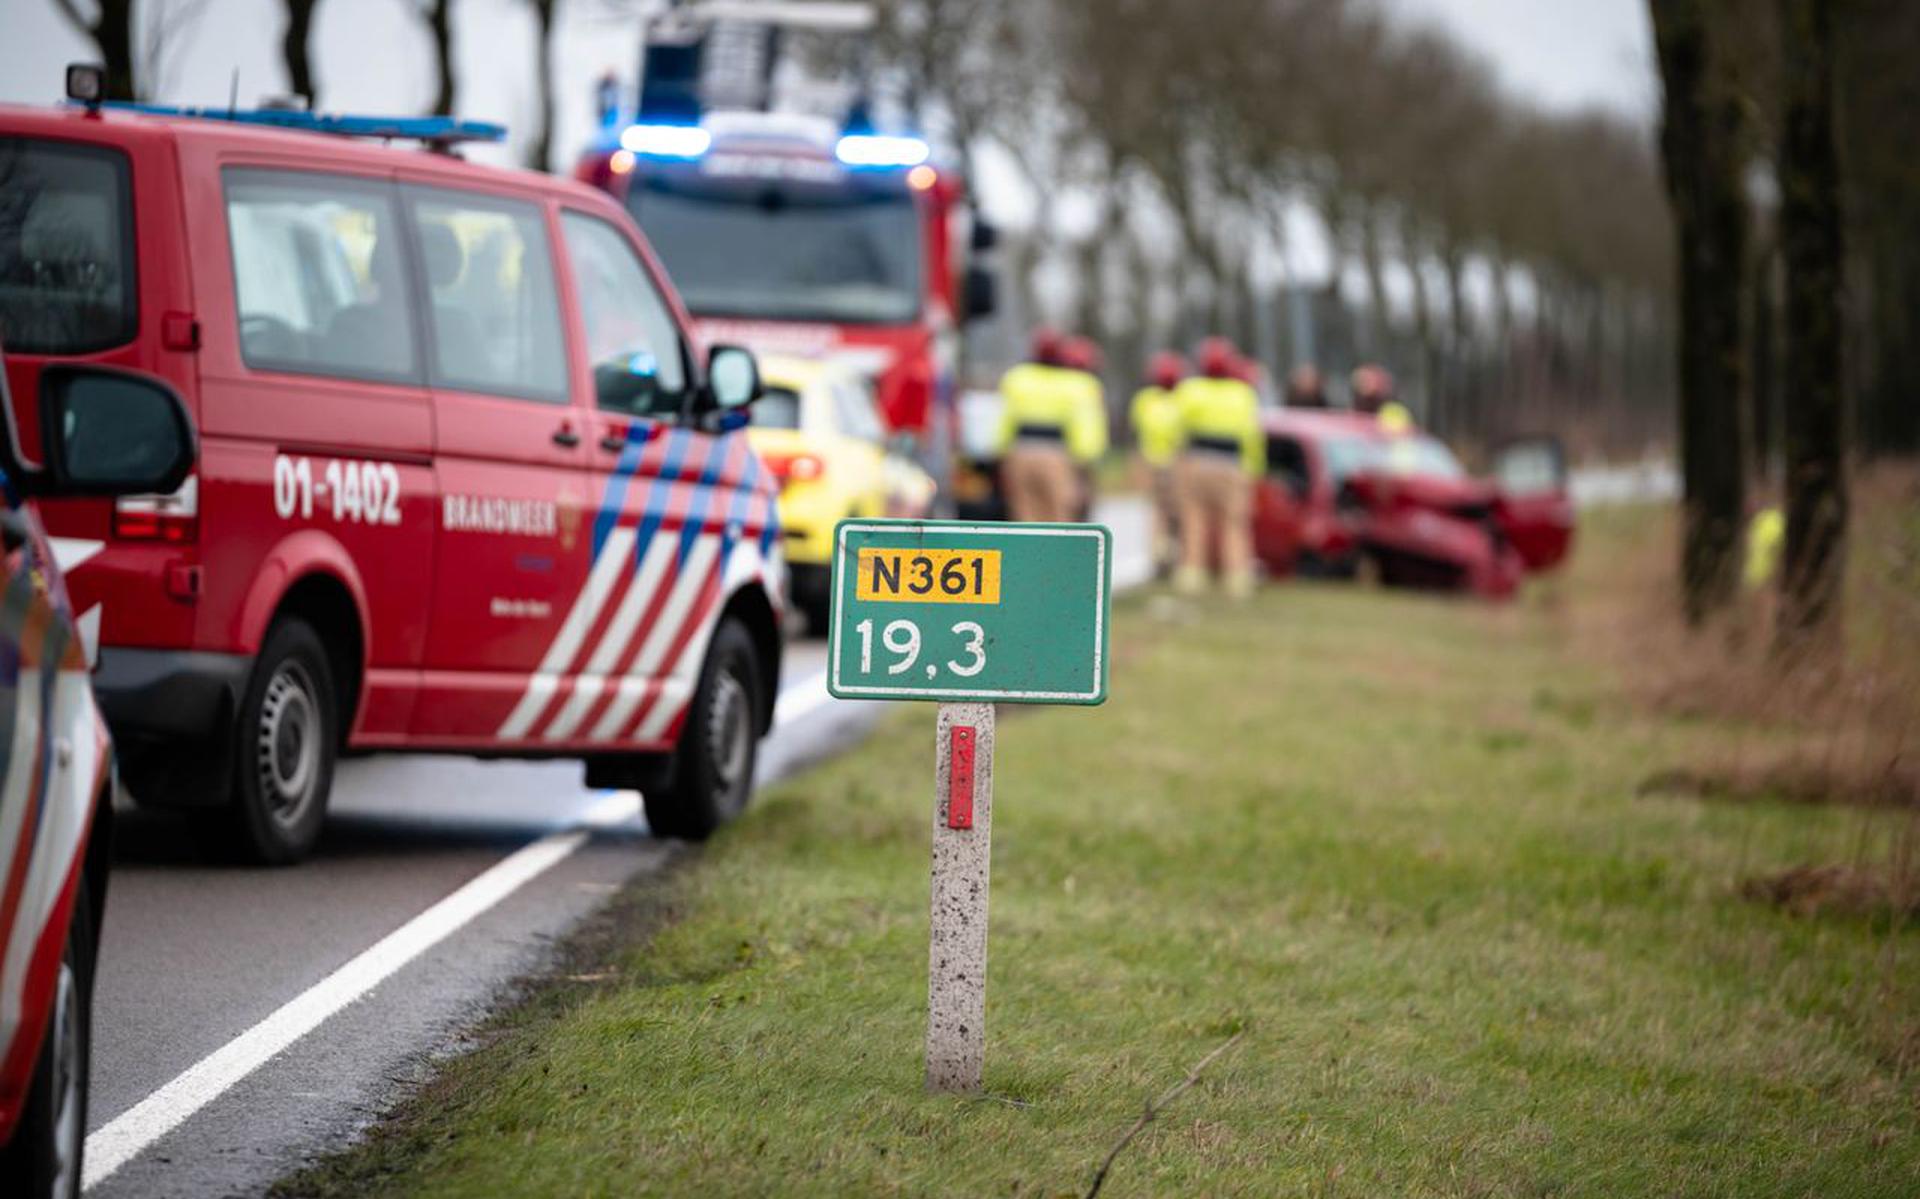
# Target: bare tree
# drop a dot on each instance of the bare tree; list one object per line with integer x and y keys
{"x": 1699, "y": 136}
{"x": 438, "y": 14}
{"x": 545, "y": 14}
{"x": 1811, "y": 246}
{"x": 295, "y": 50}
{"x": 110, "y": 29}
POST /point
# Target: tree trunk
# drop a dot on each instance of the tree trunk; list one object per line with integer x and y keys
{"x": 1698, "y": 142}
{"x": 294, "y": 50}
{"x": 111, "y": 32}
{"x": 1376, "y": 272}
{"x": 440, "y": 26}
{"x": 542, "y": 148}
{"x": 1813, "y": 431}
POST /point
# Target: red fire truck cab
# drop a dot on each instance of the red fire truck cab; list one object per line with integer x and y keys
{"x": 464, "y": 482}
{"x": 797, "y": 233}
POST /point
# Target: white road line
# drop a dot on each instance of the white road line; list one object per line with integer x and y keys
{"x": 132, "y": 1131}
{"x": 801, "y": 700}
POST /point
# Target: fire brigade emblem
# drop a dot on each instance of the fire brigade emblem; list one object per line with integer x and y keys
{"x": 569, "y": 506}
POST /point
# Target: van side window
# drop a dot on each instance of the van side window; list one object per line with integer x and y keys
{"x": 66, "y": 248}
{"x": 494, "y": 311}
{"x": 319, "y": 275}
{"x": 632, "y": 340}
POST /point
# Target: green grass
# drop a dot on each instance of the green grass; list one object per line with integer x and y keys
{"x": 1397, "y": 840}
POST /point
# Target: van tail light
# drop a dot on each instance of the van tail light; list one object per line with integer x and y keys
{"x": 172, "y": 518}
{"x": 796, "y": 468}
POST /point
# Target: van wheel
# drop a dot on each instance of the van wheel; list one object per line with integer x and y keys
{"x": 713, "y": 767}
{"x": 45, "y": 1151}
{"x": 285, "y": 745}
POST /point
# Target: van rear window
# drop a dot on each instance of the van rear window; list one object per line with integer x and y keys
{"x": 66, "y": 248}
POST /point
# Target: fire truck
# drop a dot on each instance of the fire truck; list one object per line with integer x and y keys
{"x": 788, "y": 221}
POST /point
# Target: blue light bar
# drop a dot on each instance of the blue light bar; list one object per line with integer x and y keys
{"x": 666, "y": 141}
{"x": 881, "y": 150}
{"x": 439, "y": 130}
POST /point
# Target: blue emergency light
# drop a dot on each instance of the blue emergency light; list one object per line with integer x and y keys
{"x": 666, "y": 141}
{"x": 442, "y": 131}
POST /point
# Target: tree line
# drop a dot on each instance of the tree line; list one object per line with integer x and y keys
{"x": 1740, "y": 283}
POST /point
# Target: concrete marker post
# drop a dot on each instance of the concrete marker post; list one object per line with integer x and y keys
{"x": 962, "y": 857}
{"x": 966, "y": 615}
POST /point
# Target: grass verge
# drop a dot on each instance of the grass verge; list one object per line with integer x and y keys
{"x": 1402, "y": 843}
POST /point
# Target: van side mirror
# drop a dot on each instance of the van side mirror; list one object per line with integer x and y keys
{"x": 733, "y": 377}
{"x": 105, "y": 431}
{"x": 985, "y": 235}
{"x": 982, "y": 293}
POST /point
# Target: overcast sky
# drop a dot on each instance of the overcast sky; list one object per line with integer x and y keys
{"x": 370, "y": 56}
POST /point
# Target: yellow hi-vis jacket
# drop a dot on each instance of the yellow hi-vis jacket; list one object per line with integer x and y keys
{"x": 1053, "y": 397}
{"x": 1223, "y": 410}
{"x": 1156, "y": 424}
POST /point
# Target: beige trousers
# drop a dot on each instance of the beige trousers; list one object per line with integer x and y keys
{"x": 1216, "y": 510}
{"x": 1041, "y": 482}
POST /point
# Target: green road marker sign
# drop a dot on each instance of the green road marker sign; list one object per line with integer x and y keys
{"x": 975, "y": 613}
{"x": 967, "y": 615}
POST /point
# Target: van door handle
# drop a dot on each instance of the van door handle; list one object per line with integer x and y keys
{"x": 612, "y": 443}
{"x": 566, "y": 437}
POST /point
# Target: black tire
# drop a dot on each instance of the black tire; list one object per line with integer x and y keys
{"x": 712, "y": 776}
{"x": 286, "y": 737}
{"x": 43, "y": 1158}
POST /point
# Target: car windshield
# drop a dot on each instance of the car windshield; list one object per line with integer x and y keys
{"x": 1413, "y": 454}
{"x": 66, "y": 248}
{"x": 1419, "y": 455}
{"x": 854, "y": 260}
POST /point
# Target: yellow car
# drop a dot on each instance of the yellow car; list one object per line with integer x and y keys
{"x": 818, "y": 431}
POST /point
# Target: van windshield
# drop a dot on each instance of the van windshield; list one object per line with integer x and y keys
{"x": 66, "y": 248}
{"x": 783, "y": 255}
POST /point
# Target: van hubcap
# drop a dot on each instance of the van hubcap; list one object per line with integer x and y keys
{"x": 288, "y": 748}
{"x": 729, "y": 733}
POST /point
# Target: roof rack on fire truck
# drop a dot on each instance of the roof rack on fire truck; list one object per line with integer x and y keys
{"x": 84, "y": 86}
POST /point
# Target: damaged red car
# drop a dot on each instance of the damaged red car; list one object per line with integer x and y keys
{"x": 1345, "y": 495}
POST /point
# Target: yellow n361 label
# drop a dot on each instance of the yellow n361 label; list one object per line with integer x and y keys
{"x": 929, "y": 576}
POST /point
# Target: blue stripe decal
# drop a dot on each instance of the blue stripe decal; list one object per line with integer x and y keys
{"x": 702, "y": 500}
{"x": 742, "y": 497}
{"x": 611, "y": 503}
{"x": 655, "y": 509}
{"x": 770, "y": 507}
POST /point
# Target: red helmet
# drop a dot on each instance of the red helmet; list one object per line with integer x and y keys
{"x": 1217, "y": 357}
{"x": 1372, "y": 387}
{"x": 1080, "y": 353}
{"x": 1047, "y": 345}
{"x": 1166, "y": 369}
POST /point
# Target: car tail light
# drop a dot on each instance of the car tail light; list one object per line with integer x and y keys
{"x": 174, "y": 517}
{"x": 796, "y": 468}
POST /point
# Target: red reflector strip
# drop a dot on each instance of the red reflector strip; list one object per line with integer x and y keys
{"x": 960, "y": 777}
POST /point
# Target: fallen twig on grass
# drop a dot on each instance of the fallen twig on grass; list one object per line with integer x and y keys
{"x": 1154, "y": 1106}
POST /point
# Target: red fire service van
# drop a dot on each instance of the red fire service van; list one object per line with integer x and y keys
{"x": 464, "y": 483}
{"x": 795, "y": 232}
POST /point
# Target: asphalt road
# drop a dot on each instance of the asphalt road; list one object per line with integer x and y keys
{"x": 248, "y": 1020}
